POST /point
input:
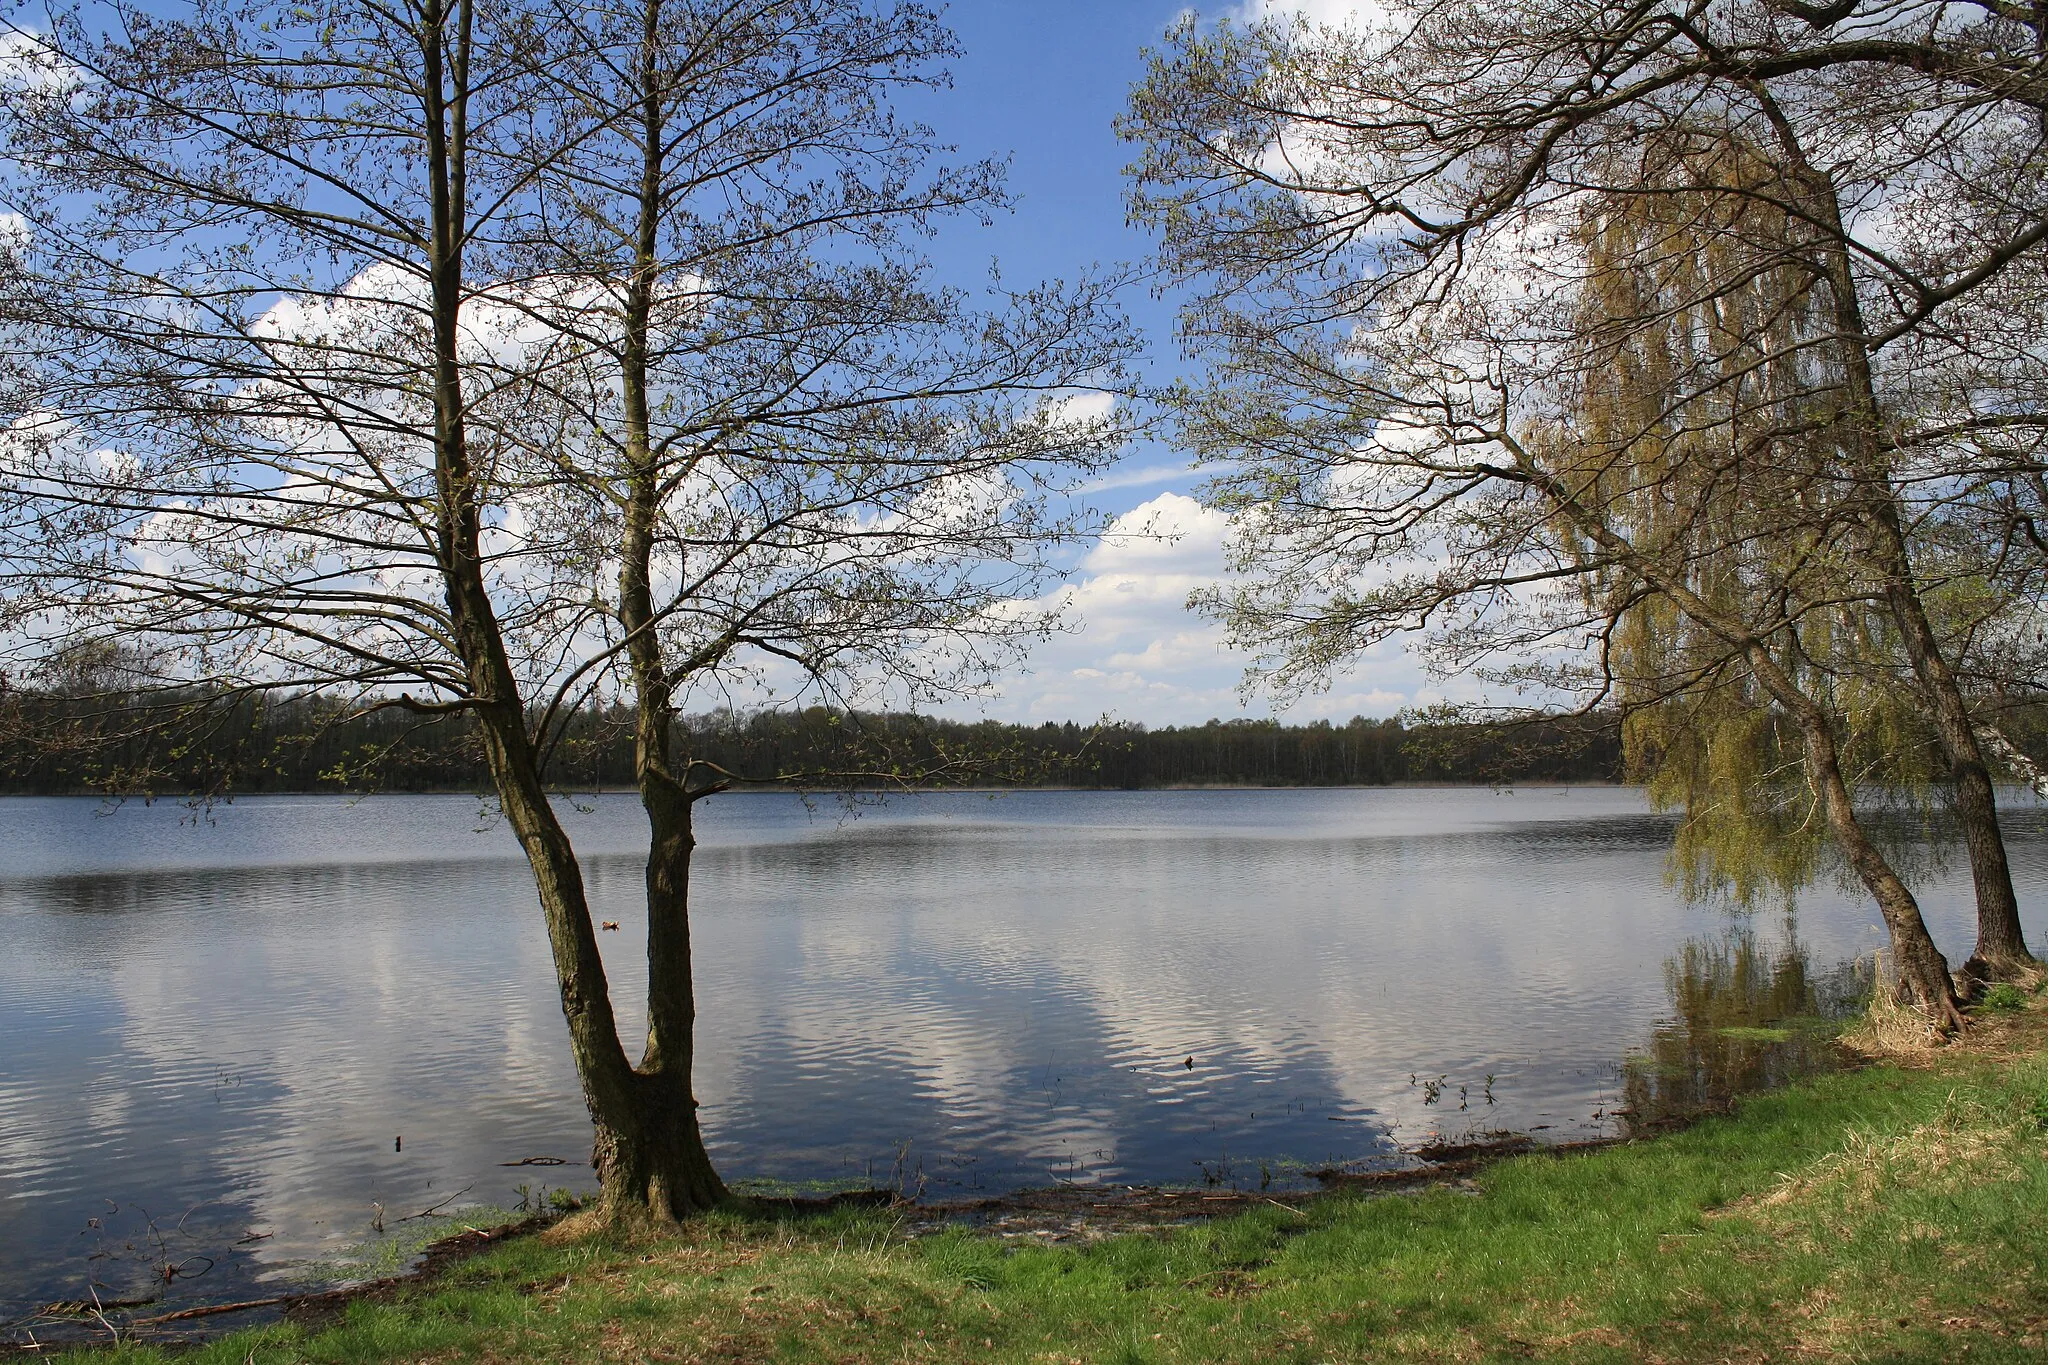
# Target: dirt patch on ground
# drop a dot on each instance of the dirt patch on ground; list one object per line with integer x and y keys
{"x": 1089, "y": 1214}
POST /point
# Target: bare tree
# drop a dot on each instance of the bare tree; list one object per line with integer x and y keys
{"x": 503, "y": 359}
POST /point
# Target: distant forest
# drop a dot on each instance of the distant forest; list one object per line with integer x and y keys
{"x": 222, "y": 747}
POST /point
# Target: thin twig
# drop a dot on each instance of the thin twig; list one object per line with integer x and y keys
{"x": 430, "y": 1209}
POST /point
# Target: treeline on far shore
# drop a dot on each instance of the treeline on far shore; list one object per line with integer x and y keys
{"x": 222, "y": 746}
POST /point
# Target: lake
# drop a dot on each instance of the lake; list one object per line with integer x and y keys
{"x": 219, "y": 1024}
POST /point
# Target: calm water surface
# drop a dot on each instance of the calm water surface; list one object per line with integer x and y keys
{"x": 215, "y": 1028}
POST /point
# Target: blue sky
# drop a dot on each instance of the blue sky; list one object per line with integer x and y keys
{"x": 1042, "y": 82}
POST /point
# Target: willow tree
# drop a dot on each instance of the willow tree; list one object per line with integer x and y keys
{"x": 1381, "y": 222}
{"x": 1706, "y": 385}
{"x": 493, "y": 359}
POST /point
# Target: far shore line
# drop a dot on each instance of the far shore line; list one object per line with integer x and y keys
{"x": 784, "y": 788}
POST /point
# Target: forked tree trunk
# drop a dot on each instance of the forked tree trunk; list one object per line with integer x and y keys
{"x": 648, "y": 1152}
{"x": 1923, "y": 974}
{"x": 2001, "y": 952}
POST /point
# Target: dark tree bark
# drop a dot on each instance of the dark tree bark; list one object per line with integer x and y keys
{"x": 2001, "y": 952}
{"x": 647, "y": 1151}
{"x": 1923, "y": 973}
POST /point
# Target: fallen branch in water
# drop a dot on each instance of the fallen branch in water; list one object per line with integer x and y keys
{"x": 208, "y": 1310}
{"x": 431, "y": 1209}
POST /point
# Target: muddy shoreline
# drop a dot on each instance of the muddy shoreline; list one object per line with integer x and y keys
{"x": 1052, "y": 1215}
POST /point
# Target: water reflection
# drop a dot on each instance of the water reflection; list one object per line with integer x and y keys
{"x": 1745, "y": 1018}
{"x": 238, "y": 1018}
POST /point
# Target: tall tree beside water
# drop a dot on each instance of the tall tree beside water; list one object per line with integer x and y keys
{"x": 507, "y": 361}
{"x": 1701, "y": 405}
{"x": 1389, "y": 232}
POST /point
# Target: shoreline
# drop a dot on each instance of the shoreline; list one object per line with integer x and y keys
{"x": 770, "y": 789}
{"x": 1039, "y": 1215}
{"x": 1045, "y": 1213}
{"x": 1804, "y": 1222}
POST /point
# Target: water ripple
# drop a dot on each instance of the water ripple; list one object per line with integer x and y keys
{"x": 231, "y": 1021}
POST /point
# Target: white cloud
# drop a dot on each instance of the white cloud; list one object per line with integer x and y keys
{"x": 1091, "y": 405}
{"x": 1326, "y": 13}
{"x": 1138, "y": 478}
{"x": 1139, "y": 654}
{"x": 29, "y": 64}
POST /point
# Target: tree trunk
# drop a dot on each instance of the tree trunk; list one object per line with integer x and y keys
{"x": 2001, "y": 952}
{"x": 648, "y": 1153}
{"x": 664, "y": 1165}
{"x": 654, "y": 1163}
{"x": 1923, "y": 974}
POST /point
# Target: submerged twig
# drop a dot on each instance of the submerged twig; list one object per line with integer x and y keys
{"x": 431, "y": 1209}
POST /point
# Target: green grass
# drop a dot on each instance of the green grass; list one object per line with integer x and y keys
{"x": 1884, "y": 1214}
{"x": 392, "y": 1252}
{"x": 2005, "y": 998}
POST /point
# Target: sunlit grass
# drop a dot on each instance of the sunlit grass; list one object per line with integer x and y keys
{"x": 394, "y": 1251}
{"x": 1889, "y": 1213}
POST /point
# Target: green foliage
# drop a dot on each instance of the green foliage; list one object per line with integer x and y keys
{"x": 2004, "y": 998}
{"x": 1678, "y": 430}
{"x": 221, "y": 744}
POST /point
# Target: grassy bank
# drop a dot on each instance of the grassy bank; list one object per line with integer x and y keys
{"x": 1897, "y": 1212}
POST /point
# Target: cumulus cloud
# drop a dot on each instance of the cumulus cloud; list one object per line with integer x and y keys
{"x": 1083, "y": 408}
{"x": 1138, "y": 653}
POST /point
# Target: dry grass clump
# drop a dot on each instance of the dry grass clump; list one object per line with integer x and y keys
{"x": 1968, "y": 1145}
{"x": 1892, "y": 1028}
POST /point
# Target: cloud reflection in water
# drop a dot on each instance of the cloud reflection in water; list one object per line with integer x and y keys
{"x": 245, "y": 1013}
